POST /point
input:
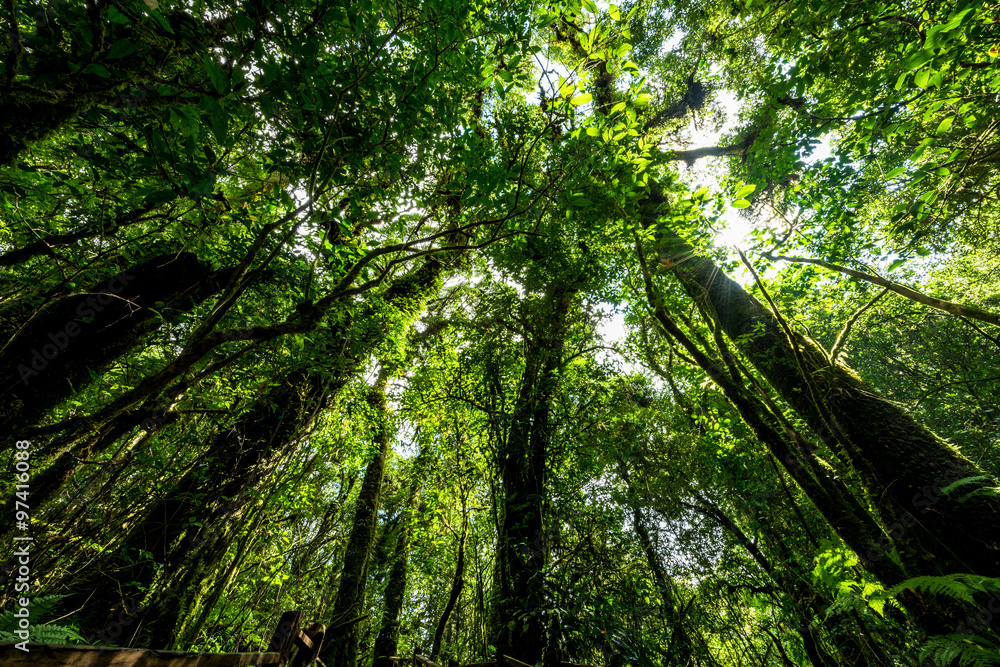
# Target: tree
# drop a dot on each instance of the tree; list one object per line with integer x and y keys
{"x": 473, "y": 230}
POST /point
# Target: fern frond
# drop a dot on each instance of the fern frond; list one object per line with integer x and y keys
{"x": 967, "y": 650}
{"x": 964, "y": 482}
{"x": 40, "y": 609}
{"x": 959, "y": 586}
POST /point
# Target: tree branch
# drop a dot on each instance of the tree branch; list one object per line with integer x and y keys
{"x": 958, "y": 309}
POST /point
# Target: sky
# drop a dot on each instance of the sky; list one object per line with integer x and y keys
{"x": 705, "y": 172}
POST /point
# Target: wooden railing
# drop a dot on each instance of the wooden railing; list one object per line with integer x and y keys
{"x": 294, "y": 644}
{"x": 506, "y": 661}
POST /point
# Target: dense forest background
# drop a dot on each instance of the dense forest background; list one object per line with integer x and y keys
{"x": 418, "y": 317}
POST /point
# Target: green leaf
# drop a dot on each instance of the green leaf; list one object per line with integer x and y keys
{"x": 895, "y": 172}
{"x": 922, "y": 77}
{"x": 953, "y": 22}
{"x": 217, "y": 75}
{"x": 159, "y": 20}
{"x": 643, "y": 99}
{"x": 581, "y": 99}
{"x": 741, "y": 203}
{"x": 745, "y": 190}
{"x": 615, "y": 13}
{"x": 918, "y": 60}
{"x": 121, "y": 48}
{"x": 895, "y": 265}
{"x": 160, "y": 197}
{"x": 217, "y": 117}
{"x": 945, "y": 125}
{"x": 590, "y": 6}
{"x": 98, "y": 69}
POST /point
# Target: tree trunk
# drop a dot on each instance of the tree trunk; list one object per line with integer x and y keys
{"x": 341, "y": 648}
{"x": 214, "y": 491}
{"x": 834, "y": 501}
{"x": 55, "y": 353}
{"x": 902, "y": 465}
{"x": 522, "y": 548}
{"x": 47, "y": 244}
{"x": 680, "y": 650}
{"x": 53, "y": 477}
{"x": 387, "y": 641}
{"x": 457, "y": 583}
{"x": 26, "y": 122}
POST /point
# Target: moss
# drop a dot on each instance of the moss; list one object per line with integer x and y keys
{"x": 77, "y": 337}
{"x": 896, "y": 458}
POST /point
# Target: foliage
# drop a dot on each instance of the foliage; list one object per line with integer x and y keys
{"x": 41, "y": 631}
{"x": 462, "y": 228}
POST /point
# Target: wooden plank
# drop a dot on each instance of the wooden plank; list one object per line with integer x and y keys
{"x": 306, "y": 642}
{"x": 309, "y": 643}
{"x": 284, "y": 636}
{"x": 66, "y": 655}
{"x": 514, "y": 662}
{"x": 424, "y": 661}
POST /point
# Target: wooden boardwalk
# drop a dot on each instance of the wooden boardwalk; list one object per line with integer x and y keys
{"x": 293, "y": 645}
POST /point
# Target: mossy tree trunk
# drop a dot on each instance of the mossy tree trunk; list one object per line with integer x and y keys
{"x": 343, "y": 634}
{"x": 212, "y": 493}
{"x": 45, "y": 89}
{"x": 794, "y": 452}
{"x": 56, "y": 352}
{"x": 387, "y": 640}
{"x": 680, "y": 650}
{"x": 408, "y": 296}
{"x": 903, "y": 466}
{"x": 457, "y": 584}
{"x": 522, "y": 547}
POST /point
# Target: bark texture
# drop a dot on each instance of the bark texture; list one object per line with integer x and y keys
{"x": 213, "y": 493}
{"x": 457, "y": 584}
{"x": 387, "y": 641}
{"x": 522, "y": 549}
{"x": 902, "y": 466}
{"x": 57, "y": 351}
{"x": 341, "y": 649}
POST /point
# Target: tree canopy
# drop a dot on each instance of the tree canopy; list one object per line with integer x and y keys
{"x": 418, "y": 317}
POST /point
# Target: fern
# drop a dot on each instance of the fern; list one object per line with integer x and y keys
{"x": 959, "y": 586}
{"x": 41, "y": 633}
{"x": 979, "y": 491}
{"x": 837, "y": 568}
{"x": 967, "y": 650}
